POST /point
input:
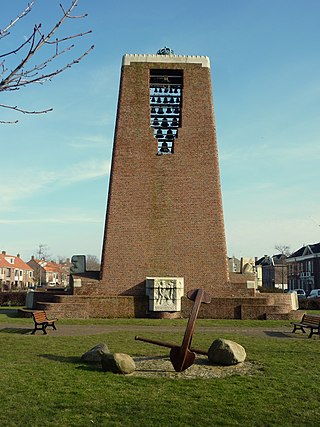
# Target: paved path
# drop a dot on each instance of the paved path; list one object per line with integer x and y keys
{"x": 81, "y": 330}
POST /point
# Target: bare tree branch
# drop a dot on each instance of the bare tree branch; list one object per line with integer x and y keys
{"x": 5, "y": 32}
{"x": 24, "y": 72}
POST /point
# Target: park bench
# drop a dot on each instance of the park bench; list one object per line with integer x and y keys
{"x": 310, "y": 321}
{"x": 41, "y": 322}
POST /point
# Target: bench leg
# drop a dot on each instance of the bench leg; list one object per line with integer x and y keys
{"x": 311, "y": 333}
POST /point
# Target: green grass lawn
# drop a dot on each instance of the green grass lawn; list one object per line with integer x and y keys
{"x": 43, "y": 382}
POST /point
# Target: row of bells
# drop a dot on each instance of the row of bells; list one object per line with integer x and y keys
{"x": 169, "y": 110}
{"x": 169, "y": 135}
{"x": 165, "y": 123}
{"x": 167, "y": 89}
{"x": 166, "y": 100}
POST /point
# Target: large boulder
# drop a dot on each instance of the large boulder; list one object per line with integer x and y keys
{"x": 118, "y": 363}
{"x": 94, "y": 354}
{"x": 226, "y": 352}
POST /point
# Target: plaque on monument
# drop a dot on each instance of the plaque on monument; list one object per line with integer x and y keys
{"x": 78, "y": 264}
{"x": 164, "y": 293}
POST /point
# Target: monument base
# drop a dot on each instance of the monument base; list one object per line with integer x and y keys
{"x": 254, "y": 306}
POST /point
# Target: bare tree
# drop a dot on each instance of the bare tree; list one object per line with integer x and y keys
{"x": 283, "y": 249}
{"x": 92, "y": 263}
{"x": 42, "y": 252}
{"x": 17, "y": 71}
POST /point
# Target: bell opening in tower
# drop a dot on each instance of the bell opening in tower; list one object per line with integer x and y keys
{"x": 165, "y": 107}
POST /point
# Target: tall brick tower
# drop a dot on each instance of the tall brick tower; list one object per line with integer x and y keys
{"x": 164, "y": 214}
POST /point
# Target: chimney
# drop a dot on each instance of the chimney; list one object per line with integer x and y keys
{"x": 4, "y": 252}
{"x": 18, "y": 255}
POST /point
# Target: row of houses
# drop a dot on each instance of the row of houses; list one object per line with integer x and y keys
{"x": 300, "y": 270}
{"x": 17, "y": 274}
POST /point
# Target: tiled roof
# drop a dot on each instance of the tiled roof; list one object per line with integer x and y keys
{"x": 49, "y": 266}
{"x": 315, "y": 248}
{"x": 17, "y": 262}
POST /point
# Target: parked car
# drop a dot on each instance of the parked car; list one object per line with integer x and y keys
{"x": 300, "y": 292}
{"x": 315, "y": 293}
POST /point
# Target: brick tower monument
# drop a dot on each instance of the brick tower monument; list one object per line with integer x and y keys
{"x": 164, "y": 214}
{"x": 164, "y": 231}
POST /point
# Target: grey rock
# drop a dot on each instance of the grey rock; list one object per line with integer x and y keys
{"x": 94, "y": 354}
{"x": 226, "y": 352}
{"x": 118, "y": 363}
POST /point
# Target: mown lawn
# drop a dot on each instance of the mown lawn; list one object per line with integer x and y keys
{"x": 43, "y": 382}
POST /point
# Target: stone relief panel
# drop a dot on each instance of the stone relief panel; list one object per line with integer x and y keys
{"x": 164, "y": 293}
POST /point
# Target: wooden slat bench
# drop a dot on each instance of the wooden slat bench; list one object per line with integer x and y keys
{"x": 309, "y": 321}
{"x": 41, "y": 322}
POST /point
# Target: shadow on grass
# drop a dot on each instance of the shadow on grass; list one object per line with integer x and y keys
{"x": 277, "y": 334}
{"x": 92, "y": 367}
{"x": 62, "y": 359}
{"x": 13, "y": 313}
{"x": 75, "y": 360}
{"x": 21, "y": 331}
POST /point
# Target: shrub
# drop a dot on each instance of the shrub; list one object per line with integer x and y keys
{"x": 309, "y": 304}
{"x": 17, "y": 298}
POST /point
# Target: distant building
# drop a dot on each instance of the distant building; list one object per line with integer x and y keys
{"x": 14, "y": 273}
{"x": 49, "y": 273}
{"x": 273, "y": 271}
{"x": 304, "y": 268}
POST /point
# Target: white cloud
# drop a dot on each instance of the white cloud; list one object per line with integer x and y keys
{"x": 90, "y": 141}
{"x": 29, "y": 182}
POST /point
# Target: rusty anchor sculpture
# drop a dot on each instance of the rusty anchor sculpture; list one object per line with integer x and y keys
{"x": 182, "y": 357}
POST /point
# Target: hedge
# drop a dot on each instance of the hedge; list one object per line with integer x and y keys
{"x": 17, "y": 298}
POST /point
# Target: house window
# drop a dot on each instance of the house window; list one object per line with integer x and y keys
{"x": 21, "y": 273}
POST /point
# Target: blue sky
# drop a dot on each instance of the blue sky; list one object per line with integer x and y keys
{"x": 265, "y": 66}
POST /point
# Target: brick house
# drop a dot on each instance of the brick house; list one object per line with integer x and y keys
{"x": 274, "y": 271}
{"x": 304, "y": 268}
{"x": 49, "y": 273}
{"x": 14, "y": 272}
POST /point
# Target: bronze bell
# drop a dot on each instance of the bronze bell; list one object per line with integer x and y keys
{"x": 175, "y": 90}
{"x": 159, "y": 100}
{"x": 153, "y": 99}
{"x": 156, "y": 90}
{"x": 169, "y": 111}
{"x": 165, "y": 100}
{"x": 171, "y": 100}
{"x": 160, "y": 110}
{"x": 164, "y": 148}
{"x": 159, "y": 133}
{"x": 171, "y": 89}
{"x": 165, "y": 123}
{"x": 176, "y": 110}
{"x": 153, "y": 110}
{"x": 166, "y": 90}
{"x": 155, "y": 122}
{"x": 174, "y": 122}
{"x": 169, "y": 135}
